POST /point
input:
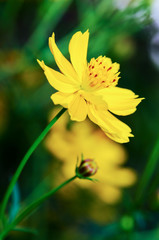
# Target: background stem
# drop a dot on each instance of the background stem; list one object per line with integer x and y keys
{"x": 148, "y": 172}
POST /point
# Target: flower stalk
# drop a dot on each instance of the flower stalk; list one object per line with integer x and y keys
{"x": 23, "y": 163}
{"x": 90, "y": 166}
{"x": 33, "y": 206}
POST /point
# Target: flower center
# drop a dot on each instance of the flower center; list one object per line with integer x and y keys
{"x": 102, "y": 73}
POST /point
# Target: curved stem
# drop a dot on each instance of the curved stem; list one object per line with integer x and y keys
{"x": 38, "y": 202}
{"x": 29, "y": 209}
{"x": 24, "y": 161}
{"x": 149, "y": 170}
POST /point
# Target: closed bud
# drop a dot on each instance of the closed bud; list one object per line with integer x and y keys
{"x": 87, "y": 168}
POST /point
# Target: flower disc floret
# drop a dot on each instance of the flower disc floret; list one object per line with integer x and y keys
{"x": 101, "y": 74}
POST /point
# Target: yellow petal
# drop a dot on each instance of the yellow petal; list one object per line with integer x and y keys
{"x": 78, "y": 52}
{"x": 124, "y": 177}
{"x": 113, "y": 127}
{"x": 63, "y": 99}
{"x": 78, "y": 108}
{"x": 58, "y": 80}
{"x": 120, "y": 101}
{"x": 108, "y": 193}
{"x": 94, "y": 99}
{"x": 64, "y": 65}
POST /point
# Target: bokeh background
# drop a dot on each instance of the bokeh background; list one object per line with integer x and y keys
{"x": 116, "y": 207}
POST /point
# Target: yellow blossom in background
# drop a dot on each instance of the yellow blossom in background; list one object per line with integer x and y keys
{"x": 84, "y": 138}
{"x": 90, "y": 88}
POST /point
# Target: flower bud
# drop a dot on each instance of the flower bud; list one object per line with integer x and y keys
{"x": 87, "y": 168}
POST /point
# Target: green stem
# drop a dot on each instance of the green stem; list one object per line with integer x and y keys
{"x": 24, "y": 161}
{"x": 26, "y": 230}
{"x": 29, "y": 209}
{"x": 38, "y": 202}
{"x": 148, "y": 172}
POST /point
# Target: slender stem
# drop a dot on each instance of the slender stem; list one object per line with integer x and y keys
{"x": 148, "y": 172}
{"x": 26, "y": 230}
{"x": 38, "y": 202}
{"x": 24, "y": 161}
{"x": 29, "y": 209}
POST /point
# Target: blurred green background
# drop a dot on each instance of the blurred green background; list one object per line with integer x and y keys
{"x": 127, "y": 31}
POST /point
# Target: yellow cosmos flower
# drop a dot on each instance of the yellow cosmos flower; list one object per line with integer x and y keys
{"x": 90, "y": 88}
{"x": 84, "y": 138}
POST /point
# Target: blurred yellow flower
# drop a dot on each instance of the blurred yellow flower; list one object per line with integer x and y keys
{"x": 85, "y": 138}
{"x": 90, "y": 88}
